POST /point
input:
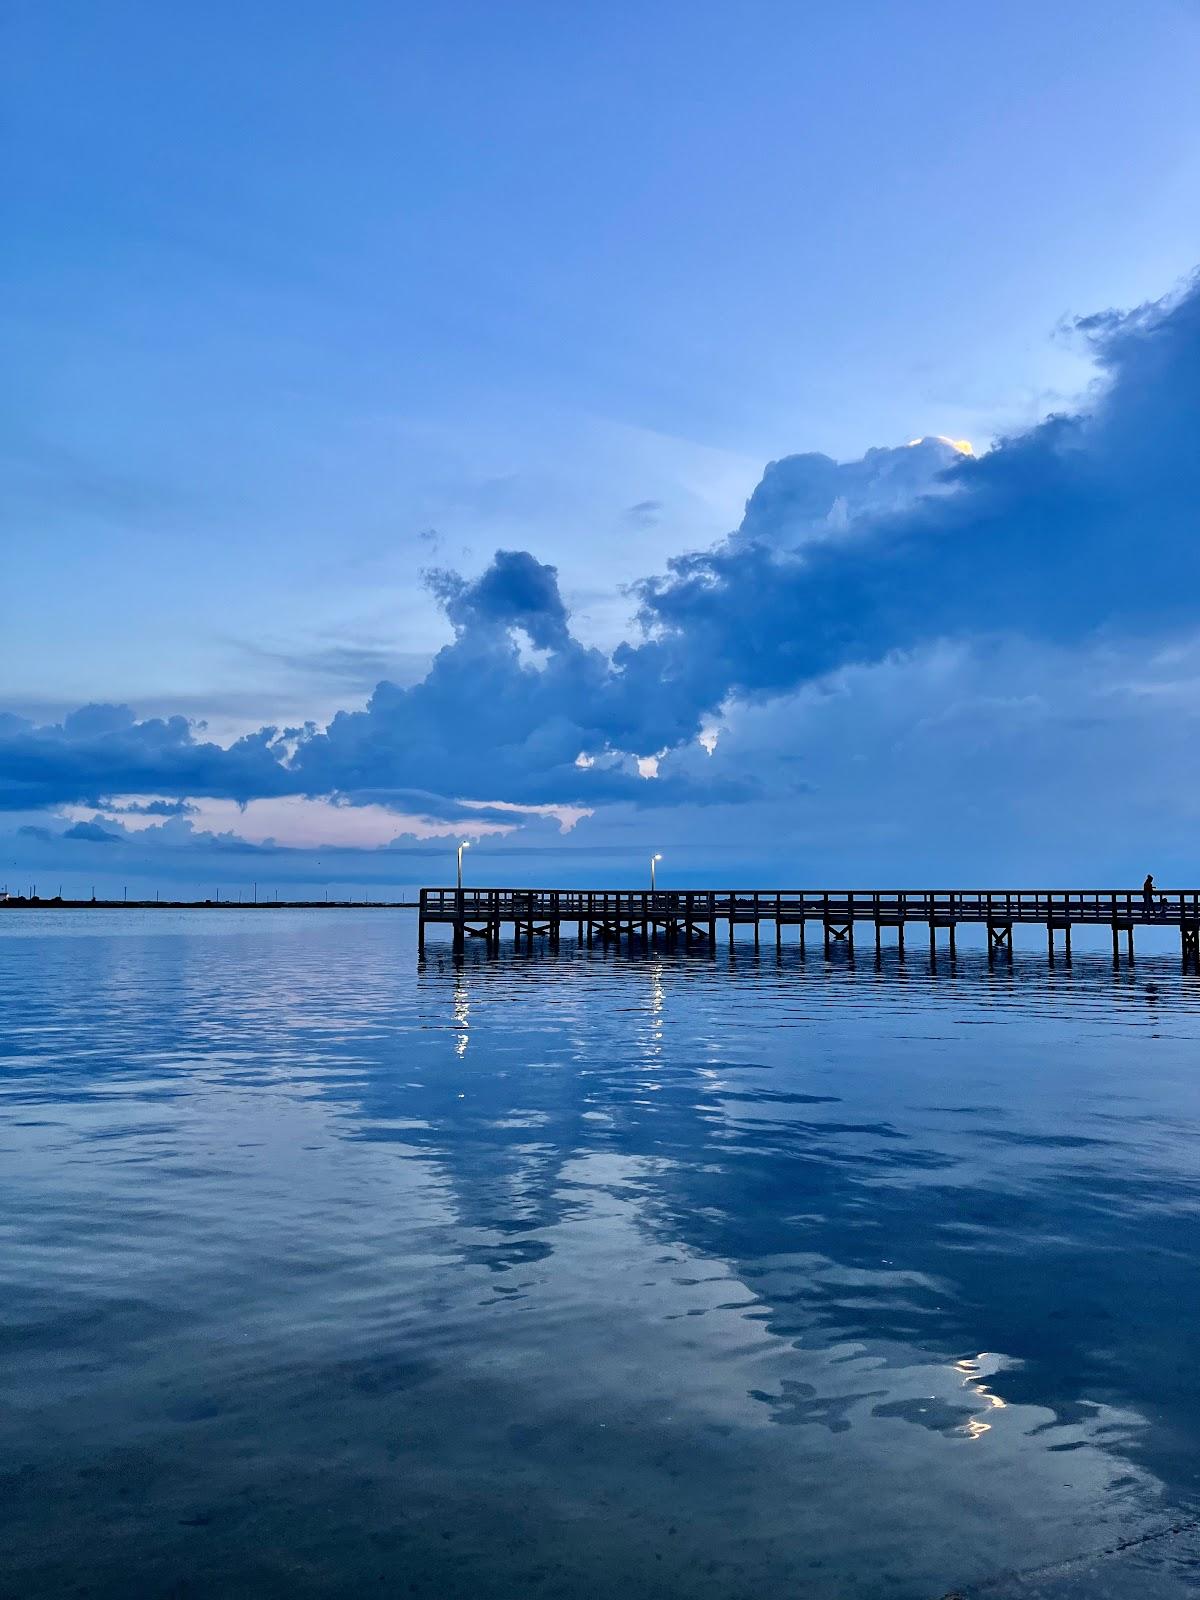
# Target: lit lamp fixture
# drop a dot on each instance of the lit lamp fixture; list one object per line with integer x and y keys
{"x": 465, "y": 845}
{"x": 653, "y": 860}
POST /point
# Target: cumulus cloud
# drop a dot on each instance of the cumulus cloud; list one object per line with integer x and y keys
{"x": 1081, "y": 529}
{"x": 102, "y": 750}
{"x": 805, "y": 498}
{"x": 153, "y": 808}
{"x": 1082, "y": 525}
{"x": 487, "y": 721}
{"x": 515, "y": 592}
{"x": 93, "y": 833}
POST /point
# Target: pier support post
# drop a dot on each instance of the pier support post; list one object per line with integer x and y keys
{"x": 953, "y": 942}
{"x": 1189, "y": 939}
{"x": 1116, "y": 943}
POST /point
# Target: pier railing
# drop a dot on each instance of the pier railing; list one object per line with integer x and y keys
{"x": 1097, "y": 906}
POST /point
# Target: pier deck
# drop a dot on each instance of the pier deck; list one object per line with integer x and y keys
{"x": 694, "y": 915}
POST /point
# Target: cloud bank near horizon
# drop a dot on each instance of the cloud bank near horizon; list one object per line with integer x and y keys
{"x": 1078, "y": 535}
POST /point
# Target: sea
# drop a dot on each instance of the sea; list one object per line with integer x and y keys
{"x": 730, "y": 1275}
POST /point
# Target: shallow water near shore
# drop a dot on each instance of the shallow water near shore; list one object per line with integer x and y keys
{"x": 588, "y": 1274}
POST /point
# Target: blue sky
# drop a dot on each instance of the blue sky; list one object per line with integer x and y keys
{"x": 310, "y": 312}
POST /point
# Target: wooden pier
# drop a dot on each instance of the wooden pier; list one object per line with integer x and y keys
{"x": 693, "y": 916}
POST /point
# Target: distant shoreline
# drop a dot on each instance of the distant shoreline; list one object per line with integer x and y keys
{"x": 39, "y": 903}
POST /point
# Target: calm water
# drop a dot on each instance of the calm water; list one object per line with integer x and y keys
{"x": 585, "y": 1275}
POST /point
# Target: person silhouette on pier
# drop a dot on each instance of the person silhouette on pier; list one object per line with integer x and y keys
{"x": 1148, "y": 895}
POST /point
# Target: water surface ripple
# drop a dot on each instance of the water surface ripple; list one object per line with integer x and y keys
{"x": 583, "y": 1274}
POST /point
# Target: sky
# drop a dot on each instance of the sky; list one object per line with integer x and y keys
{"x": 763, "y": 435}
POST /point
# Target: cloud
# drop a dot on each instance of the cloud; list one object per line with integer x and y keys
{"x": 994, "y": 759}
{"x": 805, "y": 498}
{"x": 103, "y": 750}
{"x": 347, "y": 666}
{"x": 93, "y": 833}
{"x": 487, "y": 722}
{"x": 1078, "y": 532}
{"x": 1081, "y": 526}
{"x": 153, "y": 808}
{"x": 645, "y": 514}
{"x": 515, "y": 591}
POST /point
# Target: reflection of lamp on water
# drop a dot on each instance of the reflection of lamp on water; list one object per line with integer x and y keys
{"x": 653, "y": 859}
{"x": 656, "y": 1009}
{"x": 465, "y": 845}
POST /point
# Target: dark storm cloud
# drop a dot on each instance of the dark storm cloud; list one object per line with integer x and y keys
{"x": 92, "y": 833}
{"x": 1084, "y": 524}
{"x": 1082, "y": 528}
{"x": 486, "y": 722}
{"x": 515, "y": 591}
{"x": 155, "y": 808}
{"x": 105, "y": 750}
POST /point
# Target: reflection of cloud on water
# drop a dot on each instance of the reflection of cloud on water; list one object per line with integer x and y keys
{"x": 669, "y": 1340}
{"x": 667, "y": 1247}
{"x": 636, "y": 1195}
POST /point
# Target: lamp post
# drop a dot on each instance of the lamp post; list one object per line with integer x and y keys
{"x": 653, "y": 860}
{"x": 465, "y": 845}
